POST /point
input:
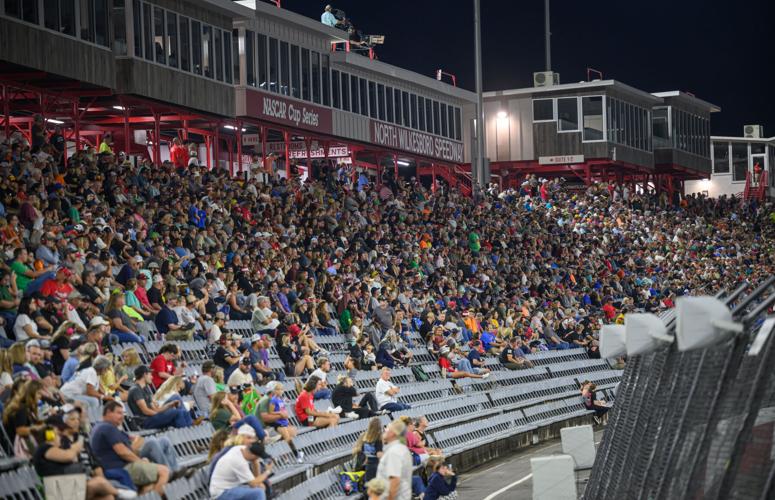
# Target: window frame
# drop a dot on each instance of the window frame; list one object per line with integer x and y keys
{"x": 560, "y": 130}
{"x": 554, "y": 110}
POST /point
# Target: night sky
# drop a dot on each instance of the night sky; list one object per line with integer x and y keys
{"x": 721, "y": 51}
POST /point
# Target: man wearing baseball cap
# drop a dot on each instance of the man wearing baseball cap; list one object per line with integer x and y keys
{"x": 232, "y": 473}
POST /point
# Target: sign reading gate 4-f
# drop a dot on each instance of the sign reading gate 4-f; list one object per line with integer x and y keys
{"x": 288, "y": 112}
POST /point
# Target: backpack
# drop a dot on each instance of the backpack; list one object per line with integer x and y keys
{"x": 351, "y": 481}
{"x": 419, "y": 374}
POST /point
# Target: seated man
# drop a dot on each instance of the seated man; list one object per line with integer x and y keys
{"x": 242, "y": 375}
{"x": 233, "y": 476}
{"x": 512, "y": 356}
{"x": 386, "y": 392}
{"x": 150, "y": 414}
{"x": 123, "y": 457}
{"x": 170, "y": 325}
{"x": 263, "y": 318}
{"x": 449, "y": 370}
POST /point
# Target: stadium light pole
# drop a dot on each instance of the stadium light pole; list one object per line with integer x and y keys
{"x": 547, "y": 36}
{"x": 477, "y": 168}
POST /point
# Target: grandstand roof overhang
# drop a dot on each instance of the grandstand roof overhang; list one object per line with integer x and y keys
{"x": 689, "y": 99}
{"x": 575, "y": 88}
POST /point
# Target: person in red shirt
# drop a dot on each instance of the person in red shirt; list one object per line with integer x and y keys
{"x": 163, "y": 366}
{"x": 609, "y": 310}
{"x": 305, "y": 407}
{"x": 59, "y": 287}
{"x": 179, "y": 154}
{"x": 448, "y": 370}
{"x": 141, "y": 293}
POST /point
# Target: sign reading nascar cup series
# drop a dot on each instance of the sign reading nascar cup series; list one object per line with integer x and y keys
{"x": 289, "y": 112}
{"x": 416, "y": 142}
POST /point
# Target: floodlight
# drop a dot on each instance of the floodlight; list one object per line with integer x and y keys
{"x": 703, "y": 322}
{"x": 612, "y": 341}
{"x": 644, "y": 333}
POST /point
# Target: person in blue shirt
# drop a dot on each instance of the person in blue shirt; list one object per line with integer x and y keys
{"x": 437, "y": 483}
{"x": 328, "y": 18}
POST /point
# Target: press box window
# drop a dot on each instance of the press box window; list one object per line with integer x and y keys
{"x": 592, "y": 109}
{"x": 543, "y": 110}
{"x": 568, "y": 114}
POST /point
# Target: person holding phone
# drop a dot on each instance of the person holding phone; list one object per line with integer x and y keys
{"x": 442, "y": 482}
{"x": 151, "y": 414}
{"x": 60, "y": 449}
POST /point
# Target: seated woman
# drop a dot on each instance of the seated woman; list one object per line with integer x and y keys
{"x": 441, "y": 483}
{"x": 122, "y": 327}
{"x": 57, "y": 456}
{"x": 599, "y": 406}
{"x": 343, "y": 395}
{"x": 447, "y": 370}
{"x": 272, "y": 411}
{"x": 225, "y": 413}
{"x": 305, "y": 407}
{"x": 296, "y": 359}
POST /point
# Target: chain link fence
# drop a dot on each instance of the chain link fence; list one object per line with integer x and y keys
{"x": 697, "y": 424}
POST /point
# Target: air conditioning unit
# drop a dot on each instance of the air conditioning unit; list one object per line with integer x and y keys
{"x": 753, "y": 131}
{"x": 545, "y": 79}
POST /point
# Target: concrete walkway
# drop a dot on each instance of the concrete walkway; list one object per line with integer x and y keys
{"x": 509, "y": 478}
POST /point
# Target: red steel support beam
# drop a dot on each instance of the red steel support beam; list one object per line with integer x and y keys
{"x": 6, "y": 113}
{"x": 286, "y": 139}
{"x": 216, "y": 144}
{"x": 156, "y": 139}
{"x": 308, "y": 143}
{"x": 395, "y": 168}
{"x": 239, "y": 148}
{"x": 208, "y": 141}
{"x": 230, "y": 145}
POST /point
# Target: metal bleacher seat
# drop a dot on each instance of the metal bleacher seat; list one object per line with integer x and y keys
{"x": 576, "y": 367}
{"x": 326, "y": 445}
{"x": 285, "y": 463}
{"x": 147, "y": 330}
{"x": 425, "y": 391}
{"x": 513, "y": 377}
{"x": 421, "y": 355}
{"x": 241, "y": 327}
{"x": 190, "y": 443}
{"x": 553, "y": 356}
{"x": 478, "y": 432}
{"x": 193, "y": 350}
{"x": 325, "y": 486}
{"x": 451, "y": 411}
{"x": 22, "y": 483}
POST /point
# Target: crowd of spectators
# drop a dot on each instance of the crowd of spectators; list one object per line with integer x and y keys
{"x": 96, "y": 247}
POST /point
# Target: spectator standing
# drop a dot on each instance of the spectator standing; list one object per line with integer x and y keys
{"x": 395, "y": 466}
{"x": 368, "y": 449}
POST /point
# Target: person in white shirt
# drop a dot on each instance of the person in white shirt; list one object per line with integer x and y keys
{"x": 85, "y": 386}
{"x": 233, "y": 477}
{"x": 324, "y": 366}
{"x": 215, "y": 329}
{"x": 395, "y": 466}
{"x": 386, "y": 392}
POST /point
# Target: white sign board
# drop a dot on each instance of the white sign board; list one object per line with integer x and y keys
{"x": 560, "y": 160}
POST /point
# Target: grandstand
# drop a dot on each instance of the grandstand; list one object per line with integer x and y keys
{"x": 206, "y": 182}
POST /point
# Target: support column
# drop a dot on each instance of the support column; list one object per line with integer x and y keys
{"x": 7, "y": 112}
{"x": 354, "y": 176}
{"x": 208, "y": 140}
{"x": 185, "y": 130}
{"x": 239, "y": 148}
{"x": 263, "y": 132}
{"x": 395, "y": 169}
{"x": 217, "y": 144}
{"x": 308, "y": 143}
{"x": 433, "y": 178}
{"x": 127, "y": 142}
{"x": 587, "y": 175}
{"x": 156, "y": 139}
{"x": 230, "y": 146}
{"x": 286, "y": 140}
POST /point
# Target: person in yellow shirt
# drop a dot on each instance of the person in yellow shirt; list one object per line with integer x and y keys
{"x": 106, "y": 146}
